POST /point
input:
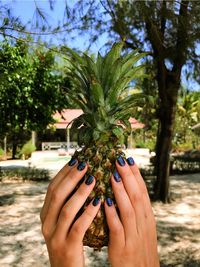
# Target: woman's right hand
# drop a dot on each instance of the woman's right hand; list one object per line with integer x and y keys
{"x": 63, "y": 234}
{"x": 132, "y": 238}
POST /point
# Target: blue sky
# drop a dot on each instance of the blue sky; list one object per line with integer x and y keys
{"x": 25, "y": 10}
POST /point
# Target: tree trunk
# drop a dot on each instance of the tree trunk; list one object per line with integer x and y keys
{"x": 14, "y": 149}
{"x": 163, "y": 149}
{"x": 5, "y": 147}
{"x": 34, "y": 138}
{"x": 166, "y": 116}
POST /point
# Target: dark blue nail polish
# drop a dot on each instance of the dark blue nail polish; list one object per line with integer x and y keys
{"x": 96, "y": 201}
{"x": 72, "y": 162}
{"x": 121, "y": 161}
{"x": 116, "y": 176}
{"x": 109, "y": 201}
{"x": 130, "y": 161}
{"x": 89, "y": 180}
{"x": 81, "y": 166}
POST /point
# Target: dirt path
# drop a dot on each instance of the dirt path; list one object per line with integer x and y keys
{"x": 22, "y": 244}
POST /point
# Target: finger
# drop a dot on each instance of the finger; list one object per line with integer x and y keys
{"x": 137, "y": 197}
{"x": 136, "y": 172}
{"x": 127, "y": 214}
{"x": 64, "y": 171}
{"x": 71, "y": 208}
{"x": 116, "y": 231}
{"x": 81, "y": 225}
{"x": 61, "y": 193}
{"x": 52, "y": 185}
{"x": 129, "y": 181}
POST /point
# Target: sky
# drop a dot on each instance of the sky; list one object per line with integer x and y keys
{"x": 25, "y": 10}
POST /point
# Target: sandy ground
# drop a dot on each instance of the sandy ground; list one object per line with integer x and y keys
{"x": 178, "y": 223}
{"x": 22, "y": 244}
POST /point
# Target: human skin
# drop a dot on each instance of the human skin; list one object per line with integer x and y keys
{"x": 132, "y": 234}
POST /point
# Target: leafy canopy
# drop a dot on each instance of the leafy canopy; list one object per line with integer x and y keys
{"x": 29, "y": 88}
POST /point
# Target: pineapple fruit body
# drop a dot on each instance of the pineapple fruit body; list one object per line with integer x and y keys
{"x": 101, "y": 162}
{"x": 101, "y": 90}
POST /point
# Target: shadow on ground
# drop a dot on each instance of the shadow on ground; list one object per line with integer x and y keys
{"x": 22, "y": 243}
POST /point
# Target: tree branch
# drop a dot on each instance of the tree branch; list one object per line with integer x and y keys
{"x": 163, "y": 19}
{"x": 110, "y": 11}
{"x": 55, "y": 50}
{"x": 153, "y": 33}
{"x": 132, "y": 46}
{"x": 128, "y": 44}
{"x": 33, "y": 33}
{"x": 182, "y": 37}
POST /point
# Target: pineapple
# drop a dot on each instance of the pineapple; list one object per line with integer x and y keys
{"x": 100, "y": 90}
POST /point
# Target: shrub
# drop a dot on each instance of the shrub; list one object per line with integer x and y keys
{"x": 150, "y": 144}
{"x": 27, "y": 149}
{"x": 1, "y": 152}
{"x": 182, "y": 147}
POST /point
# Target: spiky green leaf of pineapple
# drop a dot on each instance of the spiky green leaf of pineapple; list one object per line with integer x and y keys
{"x": 100, "y": 90}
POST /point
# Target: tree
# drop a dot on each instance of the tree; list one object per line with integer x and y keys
{"x": 187, "y": 115}
{"x": 30, "y": 89}
{"x": 147, "y": 114}
{"x": 169, "y": 31}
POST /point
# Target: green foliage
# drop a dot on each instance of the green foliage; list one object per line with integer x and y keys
{"x": 27, "y": 149}
{"x": 150, "y": 144}
{"x": 29, "y": 88}
{"x": 1, "y": 152}
{"x": 144, "y": 138}
{"x": 187, "y": 115}
{"x": 183, "y": 146}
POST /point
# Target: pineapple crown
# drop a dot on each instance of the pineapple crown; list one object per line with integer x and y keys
{"x": 101, "y": 90}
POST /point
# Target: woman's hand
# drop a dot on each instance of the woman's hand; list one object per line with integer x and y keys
{"x": 132, "y": 238}
{"x": 63, "y": 234}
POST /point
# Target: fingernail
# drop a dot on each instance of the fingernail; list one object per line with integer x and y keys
{"x": 109, "y": 201}
{"x": 72, "y": 162}
{"x": 121, "y": 161}
{"x": 130, "y": 161}
{"x": 89, "y": 180}
{"x": 116, "y": 176}
{"x": 96, "y": 201}
{"x": 81, "y": 166}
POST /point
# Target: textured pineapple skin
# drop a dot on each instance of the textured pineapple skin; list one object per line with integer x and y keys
{"x": 101, "y": 164}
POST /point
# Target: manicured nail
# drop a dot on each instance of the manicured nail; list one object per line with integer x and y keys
{"x": 116, "y": 176}
{"x": 89, "y": 180}
{"x": 72, "y": 162}
{"x": 121, "y": 161}
{"x": 81, "y": 166}
{"x": 96, "y": 201}
{"x": 130, "y": 161}
{"x": 109, "y": 201}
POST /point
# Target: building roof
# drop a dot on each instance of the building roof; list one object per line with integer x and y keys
{"x": 135, "y": 124}
{"x": 67, "y": 115}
